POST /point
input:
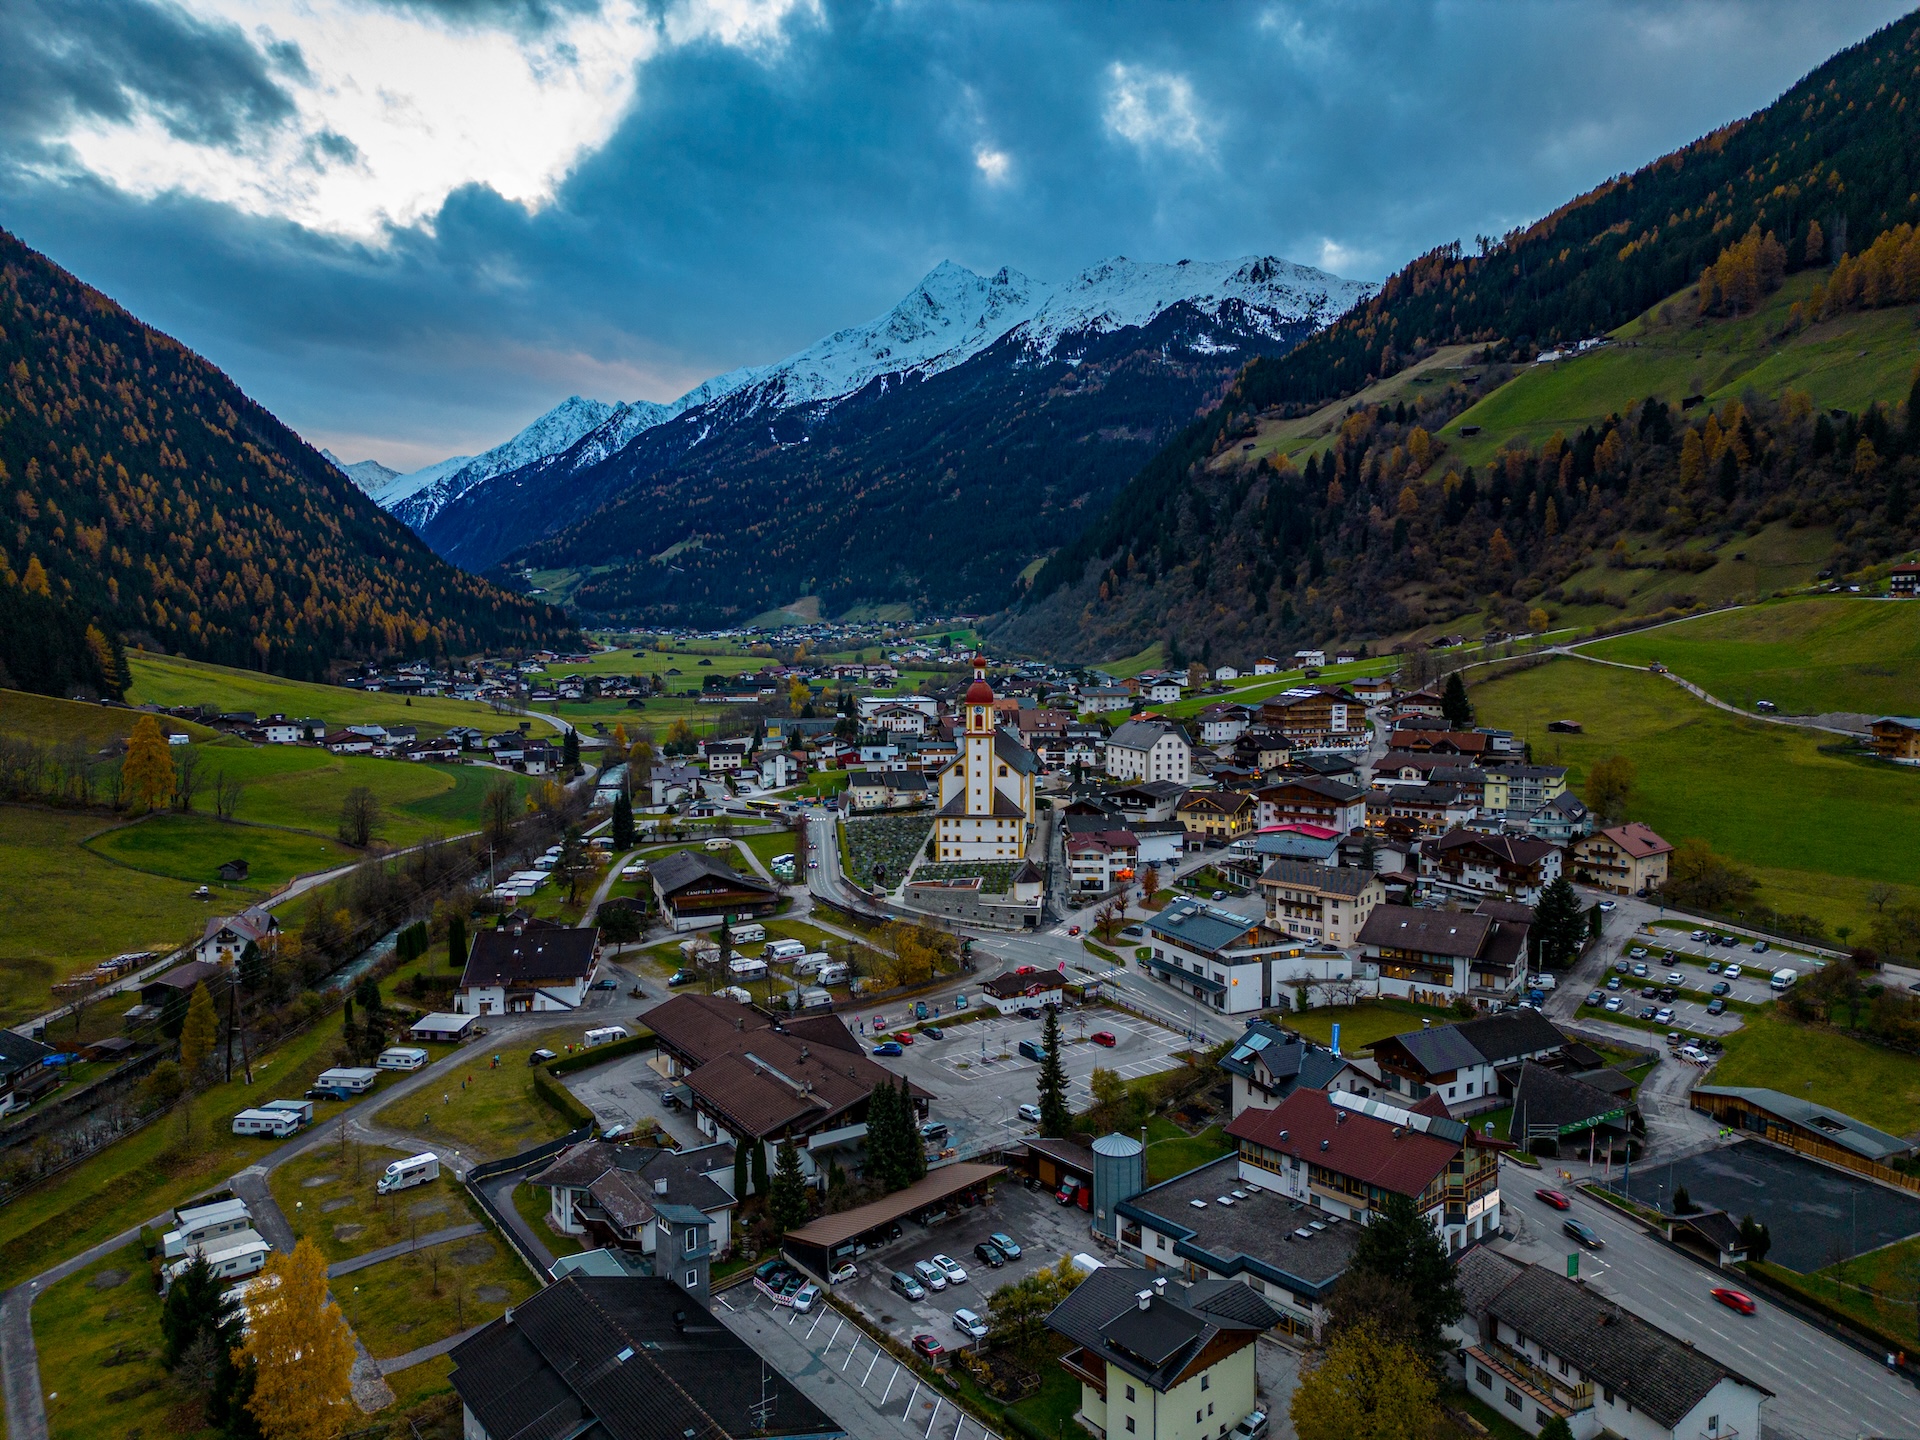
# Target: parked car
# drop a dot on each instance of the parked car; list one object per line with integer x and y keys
{"x": 969, "y": 1324}
{"x": 1647, "y": 1012}
{"x": 1614, "y": 1002}
{"x": 1254, "y": 1427}
{"x": 1640, "y": 969}
{"x": 1583, "y": 1232}
{"x": 682, "y": 977}
{"x": 804, "y": 1297}
{"x": 905, "y": 1284}
{"x": 933, "y": 1032}
{"x": 1698, "y": 935}
{"x": 1104, "y": 1037}
{"x": 929, "y": 1346}
{"x": 1716, "y": 1007}
{"x": 930, "y": 1274}
{"x": 1638, "y": 952}
{"x": 1734, "y": 1299}
{"x": 1713, "y": 967}
{"x": 1133, "y": 932}
{"x": 1732, "y": 972}
{"x": 843, "y": 1272}
{"x": 1005, "y": 1244}
{"x": 956, "y": 1274}
{"x": 1760, "y": 947}
{"x": 1720, "y": 987}
{"x": 889, "y": 1047}
{"x": 1674, "y": 977}
{"x": 1553, "y": 1198}
{"x": 1597, "y": 997}
{"x": 988, "y": 1253}
{"x": 1606, "y": 907}
{"x": 1030, "y": 1113}
{"x": 905, "y": 1037}
{"x": 540, "y": 1056}
{"x": 934, "y": 1130}
{"x": 1620, "y": 967}
{"x": 1030, "y": 1012}
{"x": 1664, "y": 1015}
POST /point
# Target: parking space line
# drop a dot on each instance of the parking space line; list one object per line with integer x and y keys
{"x": 835, "y": 1336}
{"x": 869, "y": 1375}
{"x": 852, "y": 1350}
{"x": 824, "y": 1312}
{"x": 911, "y": 1398}
{"x": 890, "y": 1379}
{"x": 934, "y": 1418}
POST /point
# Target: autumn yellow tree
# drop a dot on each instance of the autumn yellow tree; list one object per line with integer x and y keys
{"x": 147, "y": 772}
{"x": 300, "y": 1348}
{"x": 198, "y": 1031}
{"x": 1365, "y": 1387}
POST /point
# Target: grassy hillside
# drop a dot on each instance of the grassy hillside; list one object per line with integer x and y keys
{"x": 194, "y": 847}
{"x": 1817, "y": 830}
{"x": 47, "y": 721}
{"x": 1847, "y": 362}
{"x": 1806, "y": 655}
{"x": 171, "y": 680}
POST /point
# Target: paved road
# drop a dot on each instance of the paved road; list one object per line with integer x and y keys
{"x": 405, "y": 1247}
{"x": 1824, "y": 1389}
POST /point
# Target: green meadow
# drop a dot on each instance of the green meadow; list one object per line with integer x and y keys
{"x": 1816, "y": 830}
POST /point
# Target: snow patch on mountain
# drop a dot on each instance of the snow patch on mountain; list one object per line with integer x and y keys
{"x": 427, "y": 491}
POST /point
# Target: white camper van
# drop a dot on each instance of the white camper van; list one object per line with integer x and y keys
{"x": 605, "y": 1035}
{"x": 833, "y": 973}
{"x": 1783, "y": 979}
{"x": 784, "y": 950}
{"x": 414, "y": 1170}
{"x": 402, "y": 1057}
{"x": 277, "y": 1123}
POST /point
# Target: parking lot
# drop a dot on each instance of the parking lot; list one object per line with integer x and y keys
{"x": 627, "y": 1090}
{"x": 979, "y": 1079}
{"x": 1774, "y": 957}
{"x": 1816, "y": 1215}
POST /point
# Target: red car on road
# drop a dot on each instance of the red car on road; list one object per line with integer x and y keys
{"x": 1073, "y": 930}
{"x": 1553, "y": 1198}
{"x": 905, "y": 1037}
{"x": 1103, "y": 1037}
{"x": 1025, "y": 970}
{"x": 1734, "y": 1299}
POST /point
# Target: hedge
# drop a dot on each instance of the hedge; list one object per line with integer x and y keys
{"x": 582, "y": 1059}
{"x": 557, "y": 1095}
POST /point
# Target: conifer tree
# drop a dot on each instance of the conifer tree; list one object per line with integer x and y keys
{"x": 198, "y": 1031}
{"x": 1055, "y": 1118}
{"x": 1454, "y": 703}
{"x": 457, "y": 941}
{"x": 740, "y": 1178}
{"x": 622, "y": 822}
{"x": 759, "y": 1166}
{"x": 1558, "y": 925}
{"x": 913, "y": 1152}
{"x": 787, "y": 1201}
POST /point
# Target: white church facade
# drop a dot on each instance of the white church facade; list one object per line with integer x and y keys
{"x": 986, "y": 795}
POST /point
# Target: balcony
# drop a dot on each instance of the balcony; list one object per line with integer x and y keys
{"x": 1077, "y": 1363}
{"x": 1556, "y": 1395}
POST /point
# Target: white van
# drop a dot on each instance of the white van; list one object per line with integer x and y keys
{"x": 833, "y": 973}
{"x": 605, "y": 1035}
{"x": 784, "y": 950}
{"x": 277, "y": 1123}
{"x": 1783, "y": 979}
{"x": 414, "y": 1170}
{"x": 749, "y": 934}
{"x": 402, "y": 1057}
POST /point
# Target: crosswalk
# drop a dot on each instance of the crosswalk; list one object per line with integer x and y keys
{"x": 829, "y": 1347}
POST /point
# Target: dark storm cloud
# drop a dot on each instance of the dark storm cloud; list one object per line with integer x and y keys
{"x": 752, "y": 200}
{"x": 107, "y": 59}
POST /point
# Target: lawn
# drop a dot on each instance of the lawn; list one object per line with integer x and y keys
{"x": 98, "y": 1337}
{"x": 1881, "y": 1087}
{"x": 1171, "y": 1151}
{"x": 1362, "y": 1024}
{"x": 418, "y": 1298}
{"x": 1807, "y": 655}
{"x": 1889, "y": 1272}
{"x": 77, "y": 908}
{"x": 169, "y": 680}
{"x": 192, "y": 848}
{"x": 497, "y": 1113}
{"x": 1816, "y": 830}
{"x": 166, "y": 1163}
{"x": 328, "y": 1197}
{"x": 779, "y": 842}
{"x": 532, "y": 1204}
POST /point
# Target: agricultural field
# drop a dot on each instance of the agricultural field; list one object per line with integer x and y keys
{"x": 192, "y": 848}
{"x": 1816, "y": 830}
{"x": 50, "y": 722}
{"x": 1849, "y": 361}
{"x": 169, "y": 680}
{"x": 1808, "y": 656}
{"x": 80, "y": 907}
{"x": 1825, "y": 1065}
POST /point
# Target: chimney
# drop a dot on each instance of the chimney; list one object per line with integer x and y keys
{"x": 660, "y": 1186}
{"x": 1326, "y": 1144}
{"x": 1160, "y": 1286}
{"x": 1143, "y": 1299}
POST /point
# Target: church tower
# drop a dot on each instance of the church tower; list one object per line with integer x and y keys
{"x": 986, "y": 795}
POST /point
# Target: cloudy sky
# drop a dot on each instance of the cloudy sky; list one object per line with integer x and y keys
{"x": 409, "y": 226}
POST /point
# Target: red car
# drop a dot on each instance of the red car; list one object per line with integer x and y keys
{"x": 1554, "y": 1198}
{"x": 905, "y": 1037}
{"x": 1073, "y": 930}
{"x": 1734, "y": 1300}
{"x": 928, "y": 1345}
{"x": 1025, "y": 970}
{"x": 1103, "y": 1037}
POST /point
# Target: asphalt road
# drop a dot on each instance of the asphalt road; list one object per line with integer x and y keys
{"x": 1823, "y": 1389}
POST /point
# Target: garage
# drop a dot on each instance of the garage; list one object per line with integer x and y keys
{"x": 821, "y": 1243}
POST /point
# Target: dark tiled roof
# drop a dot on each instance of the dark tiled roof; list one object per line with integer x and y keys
{"x": 1259, "y": 1235}
{"x": 500, "y": 957}
{"x": 1328, "y": 879}
{"x": 1546, "y": 1100}
{"x": 1357, "y": 1144}
{"x": 686, "y": 1172}
{"x": 18, "y": 1053}
{"x": 1156, "y": 1343}
{"x": 603, "y": 1357}
{"x": 1508, "y": 849}
{"x": 1511, "y": 1034}
{"x": 1430, "y": 932}
{"x": 683, "y": 867}
{"x": 1651, "y": 1369}
{"x": 1438, "y": 1051}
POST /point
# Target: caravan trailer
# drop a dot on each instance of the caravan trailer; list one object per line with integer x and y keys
{"x": 277, "y": 1123}
{"x": 784, "y": 950}
{"x": 301, "y": 1110}
{"x": 414, "y": 1170}
{"x": 402, "y": 1057}
{"x": 833, "y": 973}
{"x": 342, "y": 1081}
{"x": 199, "y": 1224}
{"x": 229, "y": 1257}
{"x": 605, "y": 1035}
{"x": 749, "y": 934}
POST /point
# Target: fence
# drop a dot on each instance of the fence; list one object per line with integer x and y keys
{"x": 525, "y": 1160}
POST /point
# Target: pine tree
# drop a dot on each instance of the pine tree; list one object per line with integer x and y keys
{"x": 759, "y": 1166}
{"x": 147, "y": 771}
{"x": 570, "y": 752}
{"x": 457, "y": 942}
{"x": 787, "y": 1200}
{"x": 622, "y": 822}
{"x": 198, "y": 1031}
{"x": 1558, "y": 925}
{"x": 1400, "y": 1246}
{"x": 1454, "y": 703}
{"x": 883, "y": 1138}
{"x": 1055, "y": 1118}
{"x": 914, "y": 1152}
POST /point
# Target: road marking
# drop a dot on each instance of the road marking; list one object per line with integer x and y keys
{"x": 938, "y": 1401}
{"x": 890, "y": 1379}
{"x": 869, "y": 1375}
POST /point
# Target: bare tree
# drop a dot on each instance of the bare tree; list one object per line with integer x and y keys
{"x": 359, "y": 817}
{"x": 227, "y": 790}
{"x": 186, "y": 777}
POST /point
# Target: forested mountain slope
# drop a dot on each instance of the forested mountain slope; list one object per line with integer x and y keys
{"x": 147, "y": 498}
{"x": 1389, "y": 529}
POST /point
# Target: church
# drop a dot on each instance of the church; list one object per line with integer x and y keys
{"x": 986, "y": 796}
